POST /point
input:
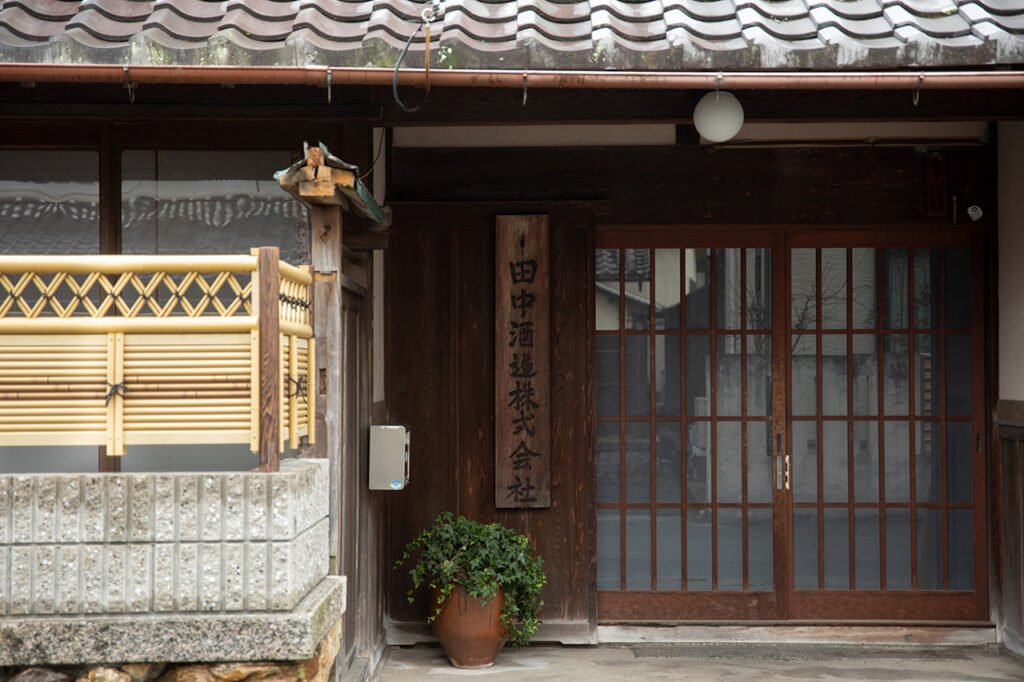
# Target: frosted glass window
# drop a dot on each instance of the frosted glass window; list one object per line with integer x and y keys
{"x": 209, "y": 202}
{"x": 49, "y": 202}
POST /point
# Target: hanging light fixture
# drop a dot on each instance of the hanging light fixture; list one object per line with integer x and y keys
{"x": 718, "y": 116}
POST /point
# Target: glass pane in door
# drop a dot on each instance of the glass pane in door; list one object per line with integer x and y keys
{"x": 881, "y": 427}
{"x": 684, "y": 396}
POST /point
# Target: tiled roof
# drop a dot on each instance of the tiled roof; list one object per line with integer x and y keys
{"x": 673, "y": 35}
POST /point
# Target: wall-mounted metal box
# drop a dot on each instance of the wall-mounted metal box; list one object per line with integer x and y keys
{"x": 389, "y": 457}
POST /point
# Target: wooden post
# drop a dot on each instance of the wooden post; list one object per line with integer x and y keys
{"x": 110, "y": 241}
{"x": 270, "y": 357}
{"x": 325, "y": 404}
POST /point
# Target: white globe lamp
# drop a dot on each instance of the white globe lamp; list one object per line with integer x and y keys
{"x": 718, "y": 116}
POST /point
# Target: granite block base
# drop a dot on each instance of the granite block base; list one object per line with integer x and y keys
{"x": 179, "y": 637}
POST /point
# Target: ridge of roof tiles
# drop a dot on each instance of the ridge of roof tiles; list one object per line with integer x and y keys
{"x": 649, "y": 35}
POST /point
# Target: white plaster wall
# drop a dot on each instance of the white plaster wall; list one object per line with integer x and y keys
{"x": 1011, "y": 256}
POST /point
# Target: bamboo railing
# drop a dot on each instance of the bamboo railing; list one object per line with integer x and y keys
{"x": 133, "y": 350}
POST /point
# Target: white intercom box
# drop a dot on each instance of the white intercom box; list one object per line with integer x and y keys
{"x": 389, "y": 457}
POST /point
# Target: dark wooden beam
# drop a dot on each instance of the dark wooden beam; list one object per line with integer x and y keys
{"x": 448, "y": 106}
{"x": 454, "y": 105}
{"x": 367, "y": 241}
{"x": 687, "y": 184}
{"x": 270, "y": 358}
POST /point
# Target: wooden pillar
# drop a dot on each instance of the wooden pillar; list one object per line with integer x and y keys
{"x": 110, "y": 234}
{"x": 326, "y": 258}
{"x": 270, "y": 357}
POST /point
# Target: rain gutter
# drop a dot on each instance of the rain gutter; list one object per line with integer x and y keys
{"x": 492, "y": 78}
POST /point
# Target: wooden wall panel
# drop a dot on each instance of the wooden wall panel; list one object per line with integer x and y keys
{"x": 441, "y": 382}
{"x": 1011, "y": 452}
{"x": 418, "y": 360}
{"x": 565, "y": 528}
{"x": 687, "y": 184}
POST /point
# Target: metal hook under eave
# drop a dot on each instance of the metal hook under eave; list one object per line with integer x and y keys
{"x": 525, "y": 86}
{"x": 917, "y": 91}
{"x": 328, "y": 85}
{"x": 718, "y": 86}
{"x": 128, "y": 84}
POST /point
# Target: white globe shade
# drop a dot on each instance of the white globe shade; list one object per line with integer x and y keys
{"x": 718, "y": 116}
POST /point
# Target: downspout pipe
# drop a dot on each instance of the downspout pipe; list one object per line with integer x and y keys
{"x": 493, "y": 78}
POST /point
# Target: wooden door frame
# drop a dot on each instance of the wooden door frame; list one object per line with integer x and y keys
{"x": 759, "y": 605}
{"x": 937, "y": 605}
{"x": 787, "y": 603}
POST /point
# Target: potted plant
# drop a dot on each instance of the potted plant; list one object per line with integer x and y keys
{"x": 485, "y": 587}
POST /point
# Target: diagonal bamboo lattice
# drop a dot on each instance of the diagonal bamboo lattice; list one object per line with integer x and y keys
{"x": 126, "y": 350}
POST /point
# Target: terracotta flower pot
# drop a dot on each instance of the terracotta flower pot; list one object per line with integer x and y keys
{"x": 470, "y": 633}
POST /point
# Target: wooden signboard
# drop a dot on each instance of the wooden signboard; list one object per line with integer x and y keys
{"x": 522, "y": 472}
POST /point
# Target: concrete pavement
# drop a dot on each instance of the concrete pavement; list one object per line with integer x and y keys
{"x": 732, "y": 662}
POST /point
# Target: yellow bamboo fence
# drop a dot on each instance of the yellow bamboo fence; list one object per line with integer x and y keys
{"x": 135, "y": 350}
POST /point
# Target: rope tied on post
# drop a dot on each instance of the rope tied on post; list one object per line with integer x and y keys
{"x": 115, "y": 389}
{"x": 300, "y": 386}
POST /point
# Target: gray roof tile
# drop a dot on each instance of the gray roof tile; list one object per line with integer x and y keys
{"x": 941, "y": 26}
{"x": 850, "y": 9}
{"x": 977, "y": 15}
{"x": 517, "y": 34}
{"x": 28, "y": 26}
{"x": 728, "y": 29}
{"x": 703, "y": 10}
{"x": 857, "y": 29}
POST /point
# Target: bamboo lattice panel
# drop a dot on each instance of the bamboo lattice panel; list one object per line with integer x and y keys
{"x": 53, "y": 390}
{"x": 32, "y": 295}
{"x": 147, "y": 350}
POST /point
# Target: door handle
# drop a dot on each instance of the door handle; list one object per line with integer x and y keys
{"x": 782, "y": 472}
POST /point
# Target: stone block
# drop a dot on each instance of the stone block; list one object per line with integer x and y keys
{"x": 44, "y": 590}
{"x": 188, "y": 509}
{"x": 256, "y": 597}
{"x": 41, "y": 675}
{"x": 188, "y": 577}
{"x": 212, "y": 507}
{"x": 282, "y": 493}
{"x": 22, "y": 563}
{"x": 6, "y": 494}
{"x": 210, "y": 577}
{"x": 104, "y": 674}
{"x": 140, "y": 570}
{"x": 69, "y": 568}
{"x": 258, "y": 496}
{"x": 46, "y": 510}
{"x": 117, "y": 509}
{"x": 234, "y": 576}
{"x": 92, "y": 579}
{"x": 166, "y": 508}
{"x": 22, "y": 502}
{"x": 143, "y": 672}
{"x": 234, "y": 507}
{"x": 5, "y": 581}
{"x": 164, "y": 565}
{"x": 188, "y": 637}
{"x": 142, "y": 503}
{"x": 95, "y": 508}
{"x": 70, "y": 509}
{"x": 116, "y": 578}
{"x": 113, "y": 543}
{"x": 280, "y": 576}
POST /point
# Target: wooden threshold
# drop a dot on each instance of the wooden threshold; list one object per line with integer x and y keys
{"x": 802, "y": 632}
